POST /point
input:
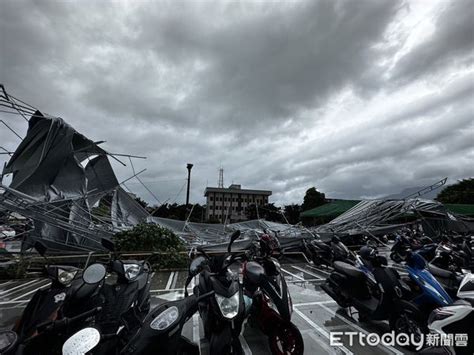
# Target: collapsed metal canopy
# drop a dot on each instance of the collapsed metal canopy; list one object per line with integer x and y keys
{"x": 375, "y": 216}
{"x": 58, "y": 176}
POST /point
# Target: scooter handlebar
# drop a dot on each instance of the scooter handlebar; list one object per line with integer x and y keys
{"x": 62, "y": 323}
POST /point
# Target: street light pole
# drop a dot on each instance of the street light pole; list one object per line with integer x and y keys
{"x": 189, "y": 167}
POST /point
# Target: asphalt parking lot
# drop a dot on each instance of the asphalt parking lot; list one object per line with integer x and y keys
{"x": 315, "y": 313}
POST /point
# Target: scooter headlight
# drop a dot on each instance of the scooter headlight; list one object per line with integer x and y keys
{"x": 66, "y": 277}
{"x": 229, "y": 306}
{"x": 165, "y": 319}
{"x": 131, "y": 271}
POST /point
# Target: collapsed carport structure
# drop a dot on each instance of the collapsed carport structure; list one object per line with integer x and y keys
{"x": 376, "y": 217}
{"x": 60, "y": 179}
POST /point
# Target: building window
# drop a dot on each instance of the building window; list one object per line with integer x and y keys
{"x": 210, "y": 198}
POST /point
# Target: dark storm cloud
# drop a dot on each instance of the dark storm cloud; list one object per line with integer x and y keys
{"x": 283, "y": 95}
{"x": 451, "y": 44}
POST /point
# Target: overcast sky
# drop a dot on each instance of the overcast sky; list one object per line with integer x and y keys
{"x": 358, "y": 98}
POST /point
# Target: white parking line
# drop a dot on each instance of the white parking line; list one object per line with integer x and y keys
{"x": 173, "y": 285}
{"x": 9, "y": 291}
{"x": 3, "y": 284}
{"x": 319, "y": 270}
{"x": 12, "y": 302}
{"x": 319, "y": 329}
{"x": 356, "y": 326}
{"x": 308, "y": 272}
{"x": 295, "y": 276}
{"x": 314, "y": 303}
{"x": 29, "y": 293}
{"x": 170, "y": 279}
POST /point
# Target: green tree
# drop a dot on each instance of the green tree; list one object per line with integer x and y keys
{"x": 180, "y": 212}
{"x": 143, "y": 203}
{"x": 292, "y": 213}
{"x": 151, "y": 237}
{"x": 461, "y": 192}
{"x": 313, "y": 198}
{"x": 268, "y": 212}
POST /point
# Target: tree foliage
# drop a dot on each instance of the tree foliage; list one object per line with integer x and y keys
{"x": 180, "y": 212}
{"x": 292, "y": 213}
{"x": 153, "y": 238}
{"x": 461, "y": 192}
{"x": 312, "y": 199}
{"x": 269, "y": 212}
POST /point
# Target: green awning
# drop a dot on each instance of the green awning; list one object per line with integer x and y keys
{"x": 466, "y": 210}
{"x": 338, "y": 207}
{"x": 330, "y": 209}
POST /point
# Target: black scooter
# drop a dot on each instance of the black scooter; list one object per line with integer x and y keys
{"x": 223, "y": 314}
{"x": 271, "y": 304}
{"x": 125, "y": 299}
{"x": 326, "y": 253}
{"x": 447, "y": 267}
{"x": 160, "y": 332}
{"x": 375, "y": 291}
{"x": 48, "y": 336}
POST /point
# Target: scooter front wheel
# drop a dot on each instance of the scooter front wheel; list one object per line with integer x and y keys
{"x": 286, "y": 339}
{"x": 408, "y": 324}
{"x": 225, "y": 343}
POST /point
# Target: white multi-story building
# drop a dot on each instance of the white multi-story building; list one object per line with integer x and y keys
{"x": 228, "y": 204}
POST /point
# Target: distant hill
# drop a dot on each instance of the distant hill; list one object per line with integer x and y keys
{"x": 411, "y": 190}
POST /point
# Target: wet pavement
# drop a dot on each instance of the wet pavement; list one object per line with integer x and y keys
{"x": 315, "y": 313}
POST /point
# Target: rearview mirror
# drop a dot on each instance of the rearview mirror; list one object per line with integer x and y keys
{"x": 94, "y": 274}
{"x": 197, "y": 265}
{"x": 8, "y": 340}
{"x": 233, "y": 237}
{"x": 81, "y": 342}
{"x": 40, "y": 248}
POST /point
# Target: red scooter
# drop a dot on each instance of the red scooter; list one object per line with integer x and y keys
{"x": 272, "y": 306}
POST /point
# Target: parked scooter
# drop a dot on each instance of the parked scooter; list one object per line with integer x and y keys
{"x": 455, "y": 319}
{"x": 160, "y": 333}
{"x": 427, "y": 249}
{"x": 49, "y": 335}
{"x": 468, "y": 252}
{"x": 375, "y": 291}
{"x": 125, "y": 302}
{"x": 223, "y": 314}
{"x": 45, "y": 304}
{"x": 326, "y": 253}
{"x": 447, "y": 267}
{"x": 427, "y": 291}
{"x": 272, "y": 306}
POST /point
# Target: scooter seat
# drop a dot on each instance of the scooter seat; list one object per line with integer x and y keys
{"x": 348, "y": 269}
{"x": 254, "y": 271}
{"x": 437, "y": 271}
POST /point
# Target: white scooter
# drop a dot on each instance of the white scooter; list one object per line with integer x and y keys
{"x": 456, "y": 321}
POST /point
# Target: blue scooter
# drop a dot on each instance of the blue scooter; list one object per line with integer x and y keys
{"x": 427, "y": 292}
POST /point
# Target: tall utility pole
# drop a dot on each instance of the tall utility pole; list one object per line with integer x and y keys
{"x": 189, "y": 167}
{"x": 220, "y": 183}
